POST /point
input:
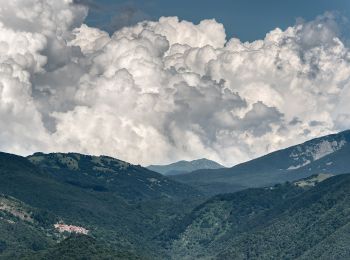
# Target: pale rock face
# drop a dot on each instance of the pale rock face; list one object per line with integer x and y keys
{"x": 294, "y": 167}
{"x": 326, "y": 148}
{"x": 305, "y": 155}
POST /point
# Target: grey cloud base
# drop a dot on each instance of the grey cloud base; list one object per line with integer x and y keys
{"x": 167, "y": 90}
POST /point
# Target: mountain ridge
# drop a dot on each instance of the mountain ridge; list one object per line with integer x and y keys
{"x": 183, "y": 166}
{"x": 327, "y": 154}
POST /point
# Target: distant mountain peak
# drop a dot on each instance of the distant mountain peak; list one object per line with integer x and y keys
{"x": 183, "y": 166}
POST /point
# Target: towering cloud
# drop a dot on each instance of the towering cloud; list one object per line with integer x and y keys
{"x": 167, "y": 90}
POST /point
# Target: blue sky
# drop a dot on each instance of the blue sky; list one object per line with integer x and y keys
{"x": 245, "y": 19}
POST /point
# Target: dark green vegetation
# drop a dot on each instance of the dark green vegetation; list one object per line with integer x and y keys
{"x": 124, "y": 206}
{"x": 182, "y": 167}
{"x": 327, "y": 154}
{"x": 22, "y": 229}
{"x": 81, "y": 247}
{"x": 133, "y": 213}
{"x": 283, "y": 222}
{"x": 106, "y": 174}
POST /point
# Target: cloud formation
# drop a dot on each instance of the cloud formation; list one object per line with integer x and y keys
{"x": 167, "y": 90}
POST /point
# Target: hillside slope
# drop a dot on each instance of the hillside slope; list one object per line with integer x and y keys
{"x": 128, "y": 209}
{"x": 283, "y": 222}
{"x": 328, "y": 154}
{"x": 107, "y": 174}
{"x": 24, "y": 229}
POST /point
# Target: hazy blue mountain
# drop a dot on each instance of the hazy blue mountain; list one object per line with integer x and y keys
{"x": 328, "y": 154}
{"x": 285, "y": 221}
{"x": 182, "y": 167}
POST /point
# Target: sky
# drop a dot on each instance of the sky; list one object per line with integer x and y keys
{"x": 247, "y": 20}
{"x": 156, "y": 82}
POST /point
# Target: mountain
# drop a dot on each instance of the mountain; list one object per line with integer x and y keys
{"x": 286, "y": 221}
{"x": 328, "y": 154}
{"x": 107, "y": 174}
{"x": 122, "y": 205}
{"x": 182, "y": 167}
{"x": 74, "y": 206}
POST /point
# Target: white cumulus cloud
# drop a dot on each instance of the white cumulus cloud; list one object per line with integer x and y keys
{"x": 167, "y": 90}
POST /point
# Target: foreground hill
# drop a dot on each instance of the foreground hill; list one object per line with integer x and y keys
{"x": 282, "y": 222}
{"x": 328, "y": 154}
{"x": 122, "y": 205}
{"x": 182, "y": 167}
